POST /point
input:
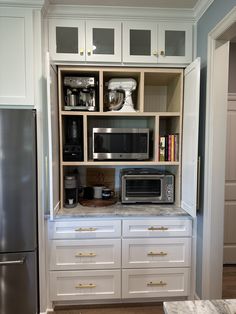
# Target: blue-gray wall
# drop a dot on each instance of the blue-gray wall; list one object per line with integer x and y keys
{"x": 215, "y": 13}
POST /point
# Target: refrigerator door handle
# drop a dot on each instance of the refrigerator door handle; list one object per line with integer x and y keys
{"x": 20, "y": 261}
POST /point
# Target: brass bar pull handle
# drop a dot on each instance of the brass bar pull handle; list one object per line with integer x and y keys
{"x": 85, "y": 229}
{"x": 157, "y": 254}
{"x": 158, "y": 228}
{"x": 160, "y": 283}
{"x": 90, "y": 285}
{"x": 85, "y": 254}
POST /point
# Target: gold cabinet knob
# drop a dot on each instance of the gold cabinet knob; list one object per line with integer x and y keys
{"x": 162, "y": 53}
{"x": 155, "y": 53}
{"x": 81, "y": 51}
{"x": 89, "y": 52}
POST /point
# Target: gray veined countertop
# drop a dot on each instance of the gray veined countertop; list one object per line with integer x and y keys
{"x": 121, "y": 210}
{"x": 201, "y": 307}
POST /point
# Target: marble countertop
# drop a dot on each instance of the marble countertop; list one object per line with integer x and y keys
{"x": 121, "y": 210}
{"x": 201, "y": 307}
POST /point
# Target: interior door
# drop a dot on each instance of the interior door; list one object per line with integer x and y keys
{"x": 230, "y": 185}
{"x": 190, "y": 137}
{"x": 52, "y": 141}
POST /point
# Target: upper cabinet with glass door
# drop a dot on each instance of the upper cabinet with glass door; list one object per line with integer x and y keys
{"x": 67, "y": 40}
{"x": 152, "y": 42}
{"x": 175, "y": 43}
{"x": 103, "y": 41}
{"x": 76, "y": 40}
{"x": 140, "y": 42}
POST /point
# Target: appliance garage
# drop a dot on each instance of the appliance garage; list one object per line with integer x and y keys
{"x": 121, "y": 117}
{"x": 120, "y": 230}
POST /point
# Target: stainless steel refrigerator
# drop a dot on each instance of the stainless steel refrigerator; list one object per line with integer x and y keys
{"x": 18, "y": 212}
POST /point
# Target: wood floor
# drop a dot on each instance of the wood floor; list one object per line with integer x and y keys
{"x": 228, "y": 292}
{"x": 229, "y": 282}
{"x": 128, "y": 309}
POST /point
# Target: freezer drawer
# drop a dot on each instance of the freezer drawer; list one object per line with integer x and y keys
{"x": 18, "y": 289}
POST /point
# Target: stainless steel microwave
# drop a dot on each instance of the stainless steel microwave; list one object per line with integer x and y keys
{"x": 139, "y": 185}
{"x": 120, "y": 143}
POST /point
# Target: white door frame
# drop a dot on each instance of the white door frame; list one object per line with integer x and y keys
{"x": 212, "y": 228}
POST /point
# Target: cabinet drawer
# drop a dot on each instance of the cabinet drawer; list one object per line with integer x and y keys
{"x": 79, "y": 229}
{"x": 147, "y": 253}
{"x": 157, "y": 228}
{"x": 85, "y": 254}
{"x": 165, "y": 282}
{"x": 85, "y": 285}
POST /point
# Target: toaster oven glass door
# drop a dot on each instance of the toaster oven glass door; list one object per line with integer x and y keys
{"x": 143, "y": 188}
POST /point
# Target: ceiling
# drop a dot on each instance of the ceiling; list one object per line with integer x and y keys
{"x": 189, "y": 4}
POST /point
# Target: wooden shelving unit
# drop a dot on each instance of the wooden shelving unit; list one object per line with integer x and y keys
{"x": 158, "y": 103}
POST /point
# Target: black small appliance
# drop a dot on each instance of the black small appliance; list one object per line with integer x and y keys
{"x": 72, "y": 149}
{"x": 71, "y": 191}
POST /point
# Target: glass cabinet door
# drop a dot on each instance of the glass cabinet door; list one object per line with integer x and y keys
{"x": 103, "y": 41}
{"x": 67, "y": 40}
{"x": 140, "y": 42}
{"x": 175, "y": 43}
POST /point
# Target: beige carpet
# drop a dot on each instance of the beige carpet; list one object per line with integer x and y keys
{"x": 128, "y": 309}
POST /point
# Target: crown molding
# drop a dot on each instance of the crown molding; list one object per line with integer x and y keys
{"x": 22, "y": 3}
{"x": 118, "y": 12}
{"x": 200, "y": 8}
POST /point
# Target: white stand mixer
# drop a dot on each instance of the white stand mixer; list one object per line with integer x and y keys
{"x": 120, "y": 91}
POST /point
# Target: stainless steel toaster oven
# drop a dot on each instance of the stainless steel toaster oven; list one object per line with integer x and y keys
{"x": 139, "y": 185}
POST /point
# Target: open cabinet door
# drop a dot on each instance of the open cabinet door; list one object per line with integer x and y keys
{"x": 190, "y": 137}
{"x": 52, "y": 140}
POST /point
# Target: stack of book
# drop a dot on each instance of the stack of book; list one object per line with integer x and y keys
{"x": 169, "y": 147}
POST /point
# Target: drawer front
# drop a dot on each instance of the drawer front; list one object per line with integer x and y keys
{"x": 166, "y": 282}
{"x": 157, "y": 228}
{"x": 85, "y": 254}
{"x": 85, "y": 285}
{"x": 80, "y": 229}
{"x": 163, "y": 252}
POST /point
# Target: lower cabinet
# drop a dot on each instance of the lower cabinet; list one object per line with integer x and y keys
{"x": 155, "y": 283}
{"x": 85, "y": 285}
{"x": 119, "y": 259}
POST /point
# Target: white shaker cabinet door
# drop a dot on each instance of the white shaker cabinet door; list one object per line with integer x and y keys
{"x": 190, "y": 137}
{"x": 16, "y": 57}
{"x": 103, "y": 41}
{"x": 67, "y": 40}
{"x": 140, "y": 42}
{"x": 175, "y": 43}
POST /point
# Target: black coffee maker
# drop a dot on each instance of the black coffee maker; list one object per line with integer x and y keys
{"x": 70, "y": 191}
{"x": 73, "y": 142}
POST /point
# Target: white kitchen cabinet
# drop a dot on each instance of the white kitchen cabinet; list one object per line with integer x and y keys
{"x": 155, "y": 283}
{"x": 152, "y": 42}
{"x": 103, "y": 41}
{"x": 175, "y": 43}
{"x": 85, "y": 254}
{"x": 119, "y": 264}
{"x": 67, "y": 39}
{"x": 88, "y": 267}
{"x": 85, "y": 285}
{"x": 79, "y": 40}
{"x": 16, "y": 57}
{"x": 156, "y": 257}
{"x": 157, "y": 228}
{"x": 85, "y": 229}
{"x": 149, "y": 253}
{"x": 140, "y": 42}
